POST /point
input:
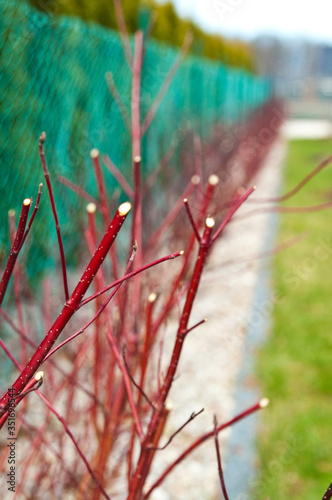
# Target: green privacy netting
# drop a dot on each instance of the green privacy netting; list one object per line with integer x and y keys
{"x": 53, "y": 79}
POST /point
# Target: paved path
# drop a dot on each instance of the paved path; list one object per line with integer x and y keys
{"x": 307, "y": 129}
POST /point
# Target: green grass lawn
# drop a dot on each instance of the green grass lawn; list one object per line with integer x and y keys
{"x": 295, "y": 366}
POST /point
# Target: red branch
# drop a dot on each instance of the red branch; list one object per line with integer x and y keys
{"x": 191, "y": 219}
{"x": 118, "y": 100}
{"x": 104, "y": 204}
{"x": 220, "y": 470}
{"x": 55, "y": 215}
{"x": 299, "y": 186}
{"x": 167, "y": 82}
{"x": 136, "y": 95}
{"x": 233, "y": 210}
{"x": 70, "y": 307}
{"x": 77, "y": 189}
{"x": 70, "y": 434}
{"x": 144, "y": 460}
{"x": 173, "y": 213}
{"x": 118, "y": 176}
{"x": 123, "y": 32}
{"x": 34, "y": 213}
{"x": 15, "y": 248}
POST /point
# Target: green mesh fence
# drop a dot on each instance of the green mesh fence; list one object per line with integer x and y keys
{"x": 53, "y": 79}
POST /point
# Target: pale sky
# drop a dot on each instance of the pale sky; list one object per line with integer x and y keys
{"x": 311, "y": 19}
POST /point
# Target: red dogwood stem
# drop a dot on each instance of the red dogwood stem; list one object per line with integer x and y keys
{"x": 70, "y": 306}
{"x": 42, "y": 139}
{"x": 144, "y": 459}
{"x": 136, "y": 95}
{"x": 15, "y": 248}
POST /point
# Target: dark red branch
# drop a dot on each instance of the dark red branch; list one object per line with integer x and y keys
{"x": 138, "y": 387}
{"x": 328, "y": 493}
{"x": 15, "y": 248}
{"x": 191, "y": 219}
{"x": 192, "y": 417}
{"x": 70, "y": 306}
{"x": 55, "y": 215}
{"x": 230, "y": 214}
{"x": 33, "y": 215}
{"x": 220, "y": 471}
{"x": 150, "y": 438}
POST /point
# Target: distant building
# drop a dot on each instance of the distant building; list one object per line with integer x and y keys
{"x": 324, "y": 60}
{"x": 300, "y": 72}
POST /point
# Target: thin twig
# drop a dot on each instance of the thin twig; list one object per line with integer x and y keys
{"x": 299, "y": 186}
{"x": 94, "y": 154}
{"x": 198, "y": 156}
{"x": 191, "y": 219}
{"x": 78, "y": 190}
{"x": 33, "y": 215}
{"x": 38, "y": 382}
{"x": 151, "y": 179}
{"x": 212, "y": 182}
{"x": 136, "y": 96}
{"x": 15, "y": 249}
{"x": 171, "y": 216}
{"x": 118, "y": 100}
{"x": 194, "y": 327}
{"x": 232, "y": 212}
{"x": 262, "y": 255}
{"x": 17, "y": 287}
{"x": 55, "y": 215}
{"x": 126, "y": 380}
{"x": 118, "y": 176}
{"x": 286, "y": 210}
{"x": 8, "y": 352}
{"x": 148, "y": 32}
{"x": 192, "y": 417}
{"x": 220, "y": 471}
{"x": 104, "y": 206}
{"x": 145, "y": 396}
{"x": 123, "y": 32}
{"x": 70, "y": 434}
{"x": 166, "y": 83}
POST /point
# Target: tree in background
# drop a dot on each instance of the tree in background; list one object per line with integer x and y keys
{"x": 169, "y": 27}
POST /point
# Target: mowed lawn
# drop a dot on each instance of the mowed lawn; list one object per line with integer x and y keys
{"x": 295, "y": 366}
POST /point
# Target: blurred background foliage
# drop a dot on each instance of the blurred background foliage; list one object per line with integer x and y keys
{"x": 168, "y": 27}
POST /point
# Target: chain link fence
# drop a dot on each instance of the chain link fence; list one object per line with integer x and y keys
{"x": 53, "y": 79}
